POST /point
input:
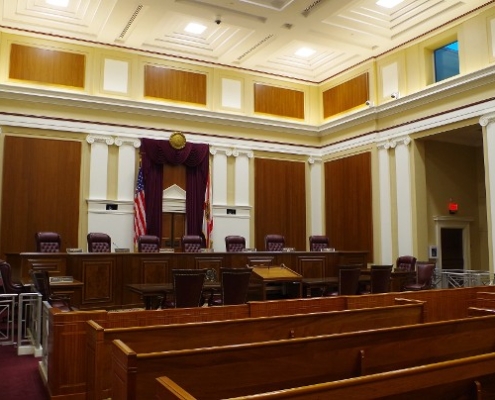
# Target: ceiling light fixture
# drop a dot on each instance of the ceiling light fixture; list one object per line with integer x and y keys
{"x": 195, "y": 28}
{"x": 305, "y": 52}
{"x": 388, "y": 3}
{"x": 58, "y": 3}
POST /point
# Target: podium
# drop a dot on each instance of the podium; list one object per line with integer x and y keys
{"x": 267, "y": 275}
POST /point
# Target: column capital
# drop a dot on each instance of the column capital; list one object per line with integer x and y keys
{"x": 314, "y": 160}
{"x": 487, "y": 119}
{"x": 246, "y": 153}
{"x": 108, "y": 140}
{"x": 120, "y": 141}
{"x": 225, "y": 150}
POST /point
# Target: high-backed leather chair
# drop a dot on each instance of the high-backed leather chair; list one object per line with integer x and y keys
{"x": 424, "y": 275}
{"x": 99, "y": 242}
{"x": 148, "y": 244}
{"x": 192, "y": 243}
{"x": 318, "y": 242}
{"x": 348, "y": 280}
{"x": 41, "y": 281}
{"x": 235, "y": 243}
{"x": 406, "y": 263}
{"x": 6, "y": 277}
{"x": 47, "y": 242}
{"x": 188, "y": 287}
{"x": 274, "y": 242}
{"x": 380, "y": 278}
{"x": 234, "y": 283}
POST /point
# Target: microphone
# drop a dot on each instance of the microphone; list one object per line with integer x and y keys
{"x": 119, "y": 249}
{"x": 115, "y": 245}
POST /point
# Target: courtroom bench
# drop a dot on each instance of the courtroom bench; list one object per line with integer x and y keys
{"x": 67, "y": 331}
{"x": 246, "y": 369}
{"x": 221, "y": 333}
{"x": 462, "y": 378}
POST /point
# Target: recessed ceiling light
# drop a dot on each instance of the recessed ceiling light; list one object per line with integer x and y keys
{"x": 305, "y": 52}
{"x": 58, "y": 3}
{"x": 197, "y": 29}
{"x": 388, "y": 3}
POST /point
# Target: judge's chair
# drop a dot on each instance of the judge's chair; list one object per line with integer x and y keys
{"x": 192, "y": 243}
{"x": 41, "y": 283}
{"x": 424, "y": 276}
{"x": 235, "y": 243}
{"x": 9, "y": 286}
{"x": 188, "y": 288}
{"x": 234, "y": 283}
{"x": 148, "y": 244}
{"x": 406, "y": 263}
{"x": 99, "y": 242}
{"x": 274, "y": 242}
{"x": 47, "y": 242}
{"x": 318, "y": 242}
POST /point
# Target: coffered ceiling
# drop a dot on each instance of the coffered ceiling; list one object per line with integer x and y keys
{"x": 253, "y": 35}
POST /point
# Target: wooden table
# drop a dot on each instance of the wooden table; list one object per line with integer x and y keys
{"x": 152, "y": 292}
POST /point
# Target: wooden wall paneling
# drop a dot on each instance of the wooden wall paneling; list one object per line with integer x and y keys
{"x": 40, "y": 191}
{"x": 343, "y": 97}
{"x": 280, "y": 202}
{"x": 348, "y": 203}
{"x": 48, "y": 66}
{"x": 278, "y": 101}
{"x": 311, "y": 267}
{"x": 173, "y": 84}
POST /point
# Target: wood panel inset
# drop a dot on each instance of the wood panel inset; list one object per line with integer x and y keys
{"x": 47, "y": 66}
{"x": 173, "y": 84}
{"x": 40, "y": 191}
{"x": 348, "y": 203}
{"x": 355, "y": 92}
{"x": 278, "y": 101}
{"x": 280, "y": 202}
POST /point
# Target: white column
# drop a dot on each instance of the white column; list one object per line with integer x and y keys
{"x": 127, "y": 168}
{"x": 404, "y": 200}
{"x": 98, "y": 172}
{"x": 317, "y": 216}
{"x": 488, "y": 122}
{"x": 219, "y": 175}
{"x": 385, "y": 204}
{"x": 241, "y": 186}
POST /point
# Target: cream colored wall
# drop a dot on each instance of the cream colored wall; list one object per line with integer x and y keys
{"x": 454, "y": 171}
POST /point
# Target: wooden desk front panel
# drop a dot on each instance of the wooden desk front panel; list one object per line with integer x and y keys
{"x": 106, "y": 275}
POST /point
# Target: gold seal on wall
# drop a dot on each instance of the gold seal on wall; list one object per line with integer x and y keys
{"x": 177, "y": 140}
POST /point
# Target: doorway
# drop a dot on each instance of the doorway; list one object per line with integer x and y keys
{"x": 452, "y": 248}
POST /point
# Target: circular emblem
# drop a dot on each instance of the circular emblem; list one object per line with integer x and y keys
{"x": 177, "y": 140}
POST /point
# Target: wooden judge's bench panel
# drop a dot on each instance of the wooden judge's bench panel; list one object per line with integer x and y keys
{"x": 105, "y": 276}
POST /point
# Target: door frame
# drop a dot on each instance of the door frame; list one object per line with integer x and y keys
{"x": 447, "y": 221}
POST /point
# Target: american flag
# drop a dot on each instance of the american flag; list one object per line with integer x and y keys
{"x": 208, "y": 214}
{"x": 139, "y": 208}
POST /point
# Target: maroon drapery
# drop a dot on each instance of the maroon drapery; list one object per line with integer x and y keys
{"x": 155, "y": 153}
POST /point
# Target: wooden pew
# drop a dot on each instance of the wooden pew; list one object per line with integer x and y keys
{"x": 462, "y": 378}
{"x": 220, "y": 333}
{"x": 246, "y": 369}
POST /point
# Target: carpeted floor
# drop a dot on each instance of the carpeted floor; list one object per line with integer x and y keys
{"x": 19, "y": 376}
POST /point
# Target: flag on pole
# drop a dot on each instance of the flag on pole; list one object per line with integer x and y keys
{"x": 208, "y": 215}
{"x": 139, "y": 208}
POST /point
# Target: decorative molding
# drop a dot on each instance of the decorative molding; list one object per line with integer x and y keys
{"x": 100, "y": 139}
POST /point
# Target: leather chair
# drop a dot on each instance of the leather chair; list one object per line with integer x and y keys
{"x": 41, "y": 281}
{"x": 424, "y": 275}
{"x": 9, "y": 286}
{"x": 192, "y": 243}
{"x": 380, "y": 278}
{"x": 318, "y": 242}
{"x": 348, "y": 280}
{"x": 274, "y": 242}
{"x": 406, "y": 263}
{"x": 234, "y": 243}
{"x": 148, "y": 244}
{"x": 234, "y": 286}
{"x": 99, "y": 242}
{"x": 188, "y": 288}
{"x": 48, "y": 242}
